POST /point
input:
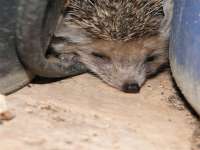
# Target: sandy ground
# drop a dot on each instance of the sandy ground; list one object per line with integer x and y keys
{"x": 82, "y": 113}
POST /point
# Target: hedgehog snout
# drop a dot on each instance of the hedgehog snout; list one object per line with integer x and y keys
{"x": 131, "y": 88}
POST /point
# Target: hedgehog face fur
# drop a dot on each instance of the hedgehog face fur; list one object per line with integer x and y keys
{"x": 121, "y": 41}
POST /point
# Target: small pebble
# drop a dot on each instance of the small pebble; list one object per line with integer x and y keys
{"x": 148, "y": 85}
{"x": 6, "y": 116}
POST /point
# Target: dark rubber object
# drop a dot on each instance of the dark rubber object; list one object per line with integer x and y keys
{"x": 12, "y": 74}
{"x": 37, "y": 20}
{"x": 26, "y": 28}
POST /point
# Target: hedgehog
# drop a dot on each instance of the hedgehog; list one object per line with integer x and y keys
{"x": 123, "y": 42}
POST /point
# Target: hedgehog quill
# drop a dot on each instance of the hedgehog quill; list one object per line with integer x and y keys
{"x": 122, "y": 41}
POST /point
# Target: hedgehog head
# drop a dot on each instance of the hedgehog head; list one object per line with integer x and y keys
{"x": 122, "y": 41}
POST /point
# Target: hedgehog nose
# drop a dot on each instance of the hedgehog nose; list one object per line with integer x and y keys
{"x": 131, "y": 88}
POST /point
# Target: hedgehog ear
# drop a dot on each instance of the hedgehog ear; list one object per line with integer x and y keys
{"x": 71, "y": 33}
{"x": 168, "y": 14}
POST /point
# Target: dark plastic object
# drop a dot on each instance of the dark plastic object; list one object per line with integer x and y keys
{"x": 12, "y": 73}
{"x": 26, "y": 28}
{"x": 37, "y": 20}
{"x": 185, "y": 49}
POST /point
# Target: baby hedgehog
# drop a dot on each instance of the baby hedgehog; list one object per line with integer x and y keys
{"x": 122, "y": 41}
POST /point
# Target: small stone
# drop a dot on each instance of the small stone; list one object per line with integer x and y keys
{"x": 149, "y": 86}
{"x": 7, "y": 115}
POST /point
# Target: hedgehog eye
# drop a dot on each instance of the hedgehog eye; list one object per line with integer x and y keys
{"x": 101, "y": 56}
{"x": 58, "y": 39}
{"x": 150, "y": 58}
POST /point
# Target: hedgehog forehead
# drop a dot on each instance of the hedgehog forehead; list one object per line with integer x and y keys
{"x": 117, "y": 19}
{"x": 121, "y": 50}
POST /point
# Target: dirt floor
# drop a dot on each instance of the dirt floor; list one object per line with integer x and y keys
{"x": 82, "y": 113}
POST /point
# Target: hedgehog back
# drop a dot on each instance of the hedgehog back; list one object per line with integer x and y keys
{"x": 116, "y": 19}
